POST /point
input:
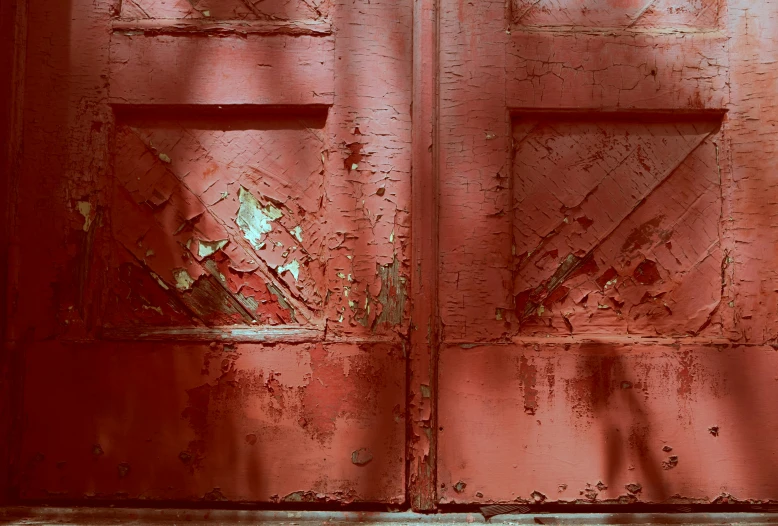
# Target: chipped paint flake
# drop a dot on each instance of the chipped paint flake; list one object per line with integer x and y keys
{"x": 159, "y": 280}
{"x": 164, "y": 158}
{"x": 392, "y": 294}
{"x": 207, "y": 248}
{"x": 253, "y": 219}
{"x": 155, "y": 309}
{"x": 293, "y": 267}
{"x": 183, "y": 280}
{"x": 85, "y": 209}
{"x": 361, "y": 456}
{"x": 298, "y": 233}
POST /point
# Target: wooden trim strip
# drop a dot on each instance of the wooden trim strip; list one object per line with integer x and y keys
{"x": 749, "y": 515}
{"x": 603, "y": 339}
{"x": 236, "y": 334}
{"x": 615, "y": 113}
{"x": 195, "y": 26}
{"x": 266, "y": 334}
{"x": 424, "y": 333}
{"x": 13, "y": 51}
{"x": 714, "y": 33}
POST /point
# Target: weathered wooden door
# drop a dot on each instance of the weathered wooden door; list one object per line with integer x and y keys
{"x": 607, "y": 244}
{"x": 212, "y": 243}
{"x": 222, "y": 288}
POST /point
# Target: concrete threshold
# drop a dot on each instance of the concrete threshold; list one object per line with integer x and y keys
{"x": 168, "y": 517}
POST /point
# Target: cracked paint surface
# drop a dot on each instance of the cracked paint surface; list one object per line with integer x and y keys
{"x": 193, "y": 186}
{"x": 616, "y": 227}
{"x": 198, "y": 212}
{"x": 606, "y": 253}
{"x": 648, "y": 14}
{"x": 225, "y": 9}
{"x": 607, "y": 274}
{"x": 255, "y": 422}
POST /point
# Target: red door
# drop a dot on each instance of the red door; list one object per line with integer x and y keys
{"x": 225, "y": 285}
{"x": 607, "y": 252}
{"x": 211, "y": 288}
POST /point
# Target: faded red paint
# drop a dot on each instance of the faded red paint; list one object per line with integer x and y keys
{"x": 607, "y": 275}
{"x": 240, "y": 422}
{"x": 225, "y": 285}
{"x": 633, "y": 414}
{"x": 223, "y": 311}
{"x": 589, "y": 262}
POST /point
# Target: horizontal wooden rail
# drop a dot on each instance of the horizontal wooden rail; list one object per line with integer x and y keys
{"x": 226, "y": 27}
{"x": 278, "y": 333}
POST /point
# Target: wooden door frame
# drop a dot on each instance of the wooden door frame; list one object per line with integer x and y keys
{"x": 13, "y": 38}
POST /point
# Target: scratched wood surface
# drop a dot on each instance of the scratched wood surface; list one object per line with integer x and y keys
{"x": 222, "y": 225}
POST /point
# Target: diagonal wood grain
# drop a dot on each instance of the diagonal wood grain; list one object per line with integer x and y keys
{"x": 179, "y": 220}
{"x": 623, "y": 204}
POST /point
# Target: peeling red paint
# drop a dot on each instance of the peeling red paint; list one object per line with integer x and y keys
{"x": 645, "y": 267}
{"x": 224, "y": 307}
{"x": 528, "y": 377}
{"x": 607, "y": 433}
{"x": 249, "y": 427}
{"x": 228, "y": 10}
{"x": 603, "y": 217}
{"x": 315, "y": 252}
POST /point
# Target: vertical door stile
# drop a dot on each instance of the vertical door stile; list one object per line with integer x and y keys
{"x": 13, "y": 27}
{"x": 424, "y": 332}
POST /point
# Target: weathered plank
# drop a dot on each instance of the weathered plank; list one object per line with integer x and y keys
{"x": 207, "y": 26}
{"x": 214, "y": 422}
{"x": 607, "y": 421}
{"x": 425, "y": 326}
{"x": 13, "y": 27}
{"x": 173, "y": 69}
